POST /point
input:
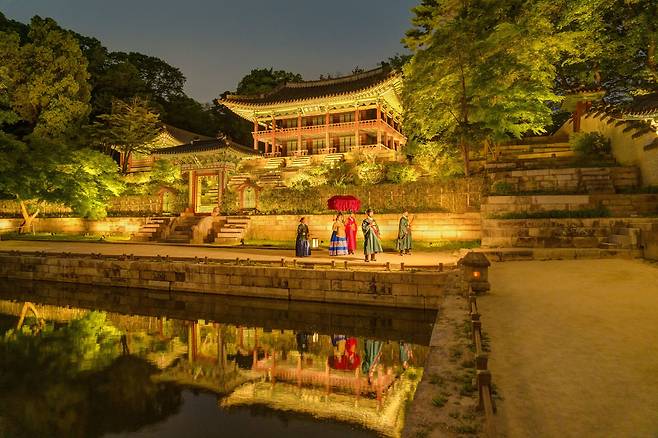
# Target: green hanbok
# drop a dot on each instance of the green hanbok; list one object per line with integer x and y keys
{"x": 371, "y": 242}
{"x": 404, "y": 235}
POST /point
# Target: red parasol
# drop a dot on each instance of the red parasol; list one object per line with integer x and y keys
{"x": 344, "y": 203}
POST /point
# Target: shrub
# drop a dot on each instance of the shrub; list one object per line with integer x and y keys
{"x": 401, "y": 173}
{"x": 437, "y": 159}
{"x": 370, "y": 173}
{"x": 585, "y": 144}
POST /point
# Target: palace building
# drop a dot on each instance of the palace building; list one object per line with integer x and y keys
{"x": 325, "y": 116}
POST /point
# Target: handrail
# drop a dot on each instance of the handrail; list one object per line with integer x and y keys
{"x": 483, "y": 375}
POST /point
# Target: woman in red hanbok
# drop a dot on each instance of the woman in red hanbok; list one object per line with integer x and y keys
{"x": 350, "y": 233}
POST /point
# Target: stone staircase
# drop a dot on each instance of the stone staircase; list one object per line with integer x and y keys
{"x": 238, "y": 179}
{"x": 181, "y": 231}
{"x": 153, "y": 229}
{"x": 232, "y": 230}
{"x": 274, "y": 163}
{"x": 299, "y": 162}
{"x": 271, "y": 179}
{"x": 333, "y": 158}
{"x": 623, "y": 237}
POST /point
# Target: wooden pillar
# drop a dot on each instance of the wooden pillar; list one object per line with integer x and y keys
{"x": 273, "y": 134}
{"x": 326, "y": 129}
{"x": 379, "y": 121}
{"x": 299, "y": 131}
{"x": 255, "y": 134}
{"x": 356, "y": 127}
{"x": 191, "y": 201}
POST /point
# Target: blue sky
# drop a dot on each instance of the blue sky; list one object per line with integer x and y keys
{"x": 217, "y": 42}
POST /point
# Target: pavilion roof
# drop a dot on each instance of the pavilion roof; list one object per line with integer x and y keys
{"x": 204, "y": 146}
{"x": 182, "y": 136}
{"x": 382, "y": 80}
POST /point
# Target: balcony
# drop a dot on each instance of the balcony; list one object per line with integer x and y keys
{"x": 282, "y": 133}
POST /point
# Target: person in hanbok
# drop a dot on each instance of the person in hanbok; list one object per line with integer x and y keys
{"x": 338, "y": 242}
{"x": 302, "y": 247}
{"x": 371, "y": 241}
{"x": 350, "y": 233}
{"x": 403, "y": 244}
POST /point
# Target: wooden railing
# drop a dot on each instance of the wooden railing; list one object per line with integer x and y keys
{"x": 483, "y": 375}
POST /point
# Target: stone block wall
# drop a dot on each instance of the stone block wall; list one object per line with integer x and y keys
{"x": 564, "y": 180}
{"x": 116, "y": 226}
{"x": 557, "y": 233}
{"x": 427, "y": 227}
{"x": 420, "y": 290}
{"x": 629, "y": 150}
{"x": 617, "y": 205}
{"x": 650, "y": 239}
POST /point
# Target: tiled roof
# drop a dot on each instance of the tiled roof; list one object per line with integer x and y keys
{"x": 199, "y": 146}
{"x": 315, "y": 89}
{"x": 182, "y": 135}
{"x": 645, "y": 105}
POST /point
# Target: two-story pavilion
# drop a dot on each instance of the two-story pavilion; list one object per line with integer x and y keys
{"x": 326, "y": 116}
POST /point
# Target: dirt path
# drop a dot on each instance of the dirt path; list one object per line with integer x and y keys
{"x": 574, "y": 347}
{"x": 141, "y": 249}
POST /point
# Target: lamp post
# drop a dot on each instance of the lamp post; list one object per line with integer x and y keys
{"x": 475, "y": 271}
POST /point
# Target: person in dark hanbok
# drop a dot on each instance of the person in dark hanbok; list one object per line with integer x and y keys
{"x": 403, "y": 243}
{"x": 302, "y": 246}
{"x": 371, "y": 241}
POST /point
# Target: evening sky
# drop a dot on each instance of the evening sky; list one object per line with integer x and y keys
{"x": 217, "y": 42}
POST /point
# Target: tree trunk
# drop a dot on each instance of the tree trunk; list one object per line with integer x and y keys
{"x": 464, "y": 148}
{"x": 28, "y": 218}
{"x": 124, "y": 165}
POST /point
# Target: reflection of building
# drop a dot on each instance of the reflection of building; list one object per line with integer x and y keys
{"x": 325, "y": 116}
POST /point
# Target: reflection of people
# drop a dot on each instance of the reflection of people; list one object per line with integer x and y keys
{"x": 371, "y": 356}
{"x": 345, "y": 356}
{"x": 371, "y": 241}
{"x": 350, "y": 233}
{"x": 406, "y": 354}
{"x": 302, "y": 247}
{"x": 338, "y": 242}
{"x": 404, "y": 234}
{"x": 302, "y": 342}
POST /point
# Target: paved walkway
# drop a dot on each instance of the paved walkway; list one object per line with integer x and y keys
{"x": 147, "y": 249}
{"x": 574, "y": 347}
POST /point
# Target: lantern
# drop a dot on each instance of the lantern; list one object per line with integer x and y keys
{"x": 475, "y": 267}
{"x": 315, "y": 243}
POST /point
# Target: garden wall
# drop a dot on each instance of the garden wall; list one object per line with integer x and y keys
{"x": 115, "y": 226}
{"x": 454, "y": 196}
{"x": 420, "y": 290}
{"x": 617, "y": 205}
{"x": 565, "y": 180}
{"x": 428, "y": 227}
{"x": 641, "y": 151}
{"x": 557, "y": 233}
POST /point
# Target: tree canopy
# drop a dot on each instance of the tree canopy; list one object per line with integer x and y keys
{"x": 262, "y": 80}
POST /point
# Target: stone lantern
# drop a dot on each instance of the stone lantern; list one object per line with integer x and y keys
{"x": 475, "y": 271}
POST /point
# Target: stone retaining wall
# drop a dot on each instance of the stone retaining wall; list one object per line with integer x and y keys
{"x": 565, "y": 180}
{"x": 427, "y": 227}
{"x": 557, "y": 233}
{"x": 650, "y": 238}
{"x": 420, "y": 290}
{"x": 617, "y": 205}
{"x": 115, "y": 226}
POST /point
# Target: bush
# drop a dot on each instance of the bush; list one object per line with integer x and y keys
{"x": 370, "y": 173}
{"x": 401, "y": 173}
{"x": 437, "y": 159}
{"x": 587, "y": 144}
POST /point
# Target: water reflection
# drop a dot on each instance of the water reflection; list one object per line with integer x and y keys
{"x": 76, "y": 371}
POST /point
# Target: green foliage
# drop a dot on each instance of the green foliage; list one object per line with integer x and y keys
{"x": 478, "y": 73}
{"x": 437, "y": 159}
{"x": 401, "y": 173}
{"x": 370, "y": 173}
{"x": 588, "y": 144}
{"x": 130, "y": 128}
{"x": 262, "y": 80}
{"x": 46, "y": 86}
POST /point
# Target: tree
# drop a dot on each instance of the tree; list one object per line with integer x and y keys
{"x": 130, "y": 128}
{"x": 47, "y": 83}
{"x": 481, "y": 72}
{"x": 260, "y": 81}
{"x": 41, "y": 170}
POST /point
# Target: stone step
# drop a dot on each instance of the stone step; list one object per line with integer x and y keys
{"x": 625, "y": 242}
{"x": 232, "y": 236}
{"x": 232, "y": 220}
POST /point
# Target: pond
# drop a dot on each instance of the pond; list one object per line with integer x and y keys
{"x": 80, "y": 361}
